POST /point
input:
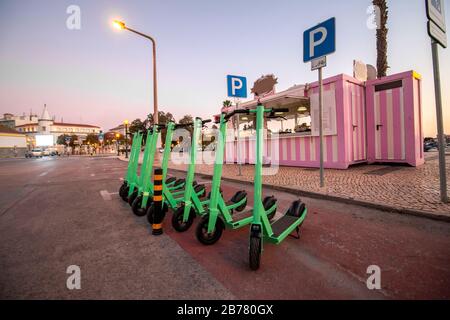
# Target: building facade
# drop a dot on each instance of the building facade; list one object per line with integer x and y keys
{"x": 12, "y": 143}
{"x": 33, "y": 126}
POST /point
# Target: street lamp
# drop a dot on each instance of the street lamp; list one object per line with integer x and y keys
{"x": 121, "y": 26}
{"x": 126, "y": 138}
{"x": 117, "y": 139}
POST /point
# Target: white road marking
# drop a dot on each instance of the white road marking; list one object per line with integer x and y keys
{"x": 121, "y": 179}
{"x": 105, "y": 195}
{"x": 43, "y": 174}
{"x": 92, "y": 174}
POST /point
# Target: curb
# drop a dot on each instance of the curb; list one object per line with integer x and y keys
{"x": 316, "y": 195}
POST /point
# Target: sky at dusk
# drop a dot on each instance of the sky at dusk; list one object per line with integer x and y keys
{"x": 100, "y": 75}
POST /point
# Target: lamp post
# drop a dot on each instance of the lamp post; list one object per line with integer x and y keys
{"x": 117, "y": 139}
{"x": 126, "y": 138}
{"x": 121, "y": 26}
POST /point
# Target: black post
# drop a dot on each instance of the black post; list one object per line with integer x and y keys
{"x": 158, "y": 214}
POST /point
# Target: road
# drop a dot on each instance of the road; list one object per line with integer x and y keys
{"x": 66, "y": 211}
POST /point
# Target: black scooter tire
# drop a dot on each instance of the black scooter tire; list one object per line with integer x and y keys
{"x": 177, "y": 219}
{"x": 268, "y": 203}
{"x": 122, "y": 188}
{"x": 124, "y": 194}
{"x": 136, "y": 207}
{"x": 150, "y": 209}
{"x": 202, "y": 228}
{"x": 238, "y": 197}
{"x": 132, "y": 197}
{"x": 255, "y": 253}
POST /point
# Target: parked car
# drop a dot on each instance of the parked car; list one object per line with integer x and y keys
{"x": 46, "y": 152}
{"x": 430, "y": 146}
{"x": 34, "y": 153}
{"x": 53, "y": 152}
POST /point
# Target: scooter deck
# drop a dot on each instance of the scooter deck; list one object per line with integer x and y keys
{"x": 242, "y": 215}
{"x": 284, "y": 226}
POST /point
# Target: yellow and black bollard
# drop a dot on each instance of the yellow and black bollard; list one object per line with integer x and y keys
{"x": 158, "y": 214}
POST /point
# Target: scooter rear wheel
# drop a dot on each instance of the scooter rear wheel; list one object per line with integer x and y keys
{"x": 255, "y": 253}
{"x": 268, "y": 203}
{"x": 177, "y": 219}
{"x": 202, "y": 234}
{"x": 238, "y": 197}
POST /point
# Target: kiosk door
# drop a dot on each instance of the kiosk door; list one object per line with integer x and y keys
{"x": 358, "y": 124}
{"x": 389, "y": 122}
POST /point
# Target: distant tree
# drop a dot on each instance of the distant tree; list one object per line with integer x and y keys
{"x": 92, "y": 138}
{"x": 164, "y": 118}
{"x": 186, "y": 120}
{"x": 227, "y": 103}
{"x": 62, "y": 139}
{"x": 73, "y": 138}
{"x": 109, "y": 137}
{"x": 135, "y": 126}
{"x": 381, "y": 11}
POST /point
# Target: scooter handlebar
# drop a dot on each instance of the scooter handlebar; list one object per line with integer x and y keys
{"x": 280, "y": 110}
{"x": 183, "y": 125}
{"x": 235, "y": 112}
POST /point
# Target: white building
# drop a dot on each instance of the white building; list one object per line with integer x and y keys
{"x": 12, "y": 143}
{"x": 45, "y": 125}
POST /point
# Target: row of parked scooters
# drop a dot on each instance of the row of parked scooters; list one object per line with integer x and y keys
{"x": 187, "y": 199}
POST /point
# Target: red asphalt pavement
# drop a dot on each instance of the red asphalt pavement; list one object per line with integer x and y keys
{"x": 53, "y": 214}
{"x": 338, "y": 243}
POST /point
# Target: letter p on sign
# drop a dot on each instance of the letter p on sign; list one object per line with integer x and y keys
{"x": 237, "y": 87}
{"x": 320, "y": 40}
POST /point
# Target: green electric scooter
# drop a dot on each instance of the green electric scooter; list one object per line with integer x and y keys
{"x": 176, "y": 199}
{"x": 146, "y": 167}
{"x": 192, "y": 205}
{"x": 141, "y": 197}
{"x": 222, "y": 214}
{"x": 131, "y": 174}
{"x": 262, "y": 229}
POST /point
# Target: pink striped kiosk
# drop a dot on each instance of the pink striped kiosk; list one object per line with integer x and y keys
{"x": 377, "y": 121}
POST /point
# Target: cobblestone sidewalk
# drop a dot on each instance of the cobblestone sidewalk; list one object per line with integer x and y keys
{"x": 399, "y": 187}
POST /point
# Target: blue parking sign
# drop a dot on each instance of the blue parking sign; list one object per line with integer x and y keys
{"x": 320, "y": 40}
{"x": 237, "y": 87}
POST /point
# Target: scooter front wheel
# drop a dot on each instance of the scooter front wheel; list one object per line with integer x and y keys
{"x": 177, "y": 219}
{"x": 150, "y": 211}
{"x": 255, "y": 253}
{"x": 136, "y": 207}
{"x": 124, "y": 194}
{"x": 122, "y": 189}
{"x": 206, "y": 238}
{"x": 133, "y": 197}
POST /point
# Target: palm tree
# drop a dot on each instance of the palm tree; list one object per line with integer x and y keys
{"x": 227, "y": 103}
{"x": 381, "y": 10}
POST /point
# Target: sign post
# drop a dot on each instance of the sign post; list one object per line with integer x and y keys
{"x": 101, "y": 139}
{"x": 437, "y": 32}
{"x": 318, "y": 42}
{"x": 237, "y": 88}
